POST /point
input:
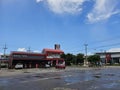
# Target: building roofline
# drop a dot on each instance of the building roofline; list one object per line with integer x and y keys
{"x": 107, "y": 52}
{"x": 53, "y": 50}
{"x": 21, "y": 52}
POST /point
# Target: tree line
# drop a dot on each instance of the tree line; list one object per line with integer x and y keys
{"x": 79, "y": 59}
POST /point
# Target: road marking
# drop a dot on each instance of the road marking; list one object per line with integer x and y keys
{"x": 68, "y": 83}
{"x": 45, "y": 79}
{"x": 63, "y": 88}
{"x": 34, "y": 80}
{"x": 71, "y": 83}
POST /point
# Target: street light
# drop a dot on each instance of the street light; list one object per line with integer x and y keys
{"x": 85, "y": 60}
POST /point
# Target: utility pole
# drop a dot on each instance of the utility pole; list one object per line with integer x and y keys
{"x": 105, "y": 57}
{"x": 29, "y": 49}
{"x": 5, "y": 48}
{"x": 85, "y": 60}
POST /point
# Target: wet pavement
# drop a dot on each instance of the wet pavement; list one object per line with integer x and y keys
{"x": 86, "y": 79}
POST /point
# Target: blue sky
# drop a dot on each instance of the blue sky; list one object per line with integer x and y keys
{"x": 40, "y": 24}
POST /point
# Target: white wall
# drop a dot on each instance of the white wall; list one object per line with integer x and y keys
{"x": 53, "y": 56}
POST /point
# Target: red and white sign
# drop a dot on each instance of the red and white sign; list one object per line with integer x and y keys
{"x": 108, "y": 57}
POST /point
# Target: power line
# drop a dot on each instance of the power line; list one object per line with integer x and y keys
{"x": 106, "y": 46}
{"x": 115, "y": 44}
{"x": 106, "y": 40}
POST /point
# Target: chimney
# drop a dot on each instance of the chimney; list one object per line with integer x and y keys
{"x": 57, "y": 46}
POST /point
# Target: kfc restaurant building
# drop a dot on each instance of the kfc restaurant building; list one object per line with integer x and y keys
{"x": 36, "y": 60}
{"x": 110, "y": 57}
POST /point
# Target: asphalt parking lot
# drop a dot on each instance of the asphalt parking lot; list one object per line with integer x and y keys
{"x": 107, "y": 78}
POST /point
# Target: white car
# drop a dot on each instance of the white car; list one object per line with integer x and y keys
{"x": 47, "y": 66}
{"x": 19, "y": 66}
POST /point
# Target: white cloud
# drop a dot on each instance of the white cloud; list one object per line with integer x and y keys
{"x": 103, "y": 9}
{"x": 39, "y": 1}
{"x": 22, "y": 49}
{"x": 114, "y": 50}
{"x": 37, "y": 51}
{"x": 1, "y": 53}
{"x": 64, "y": 6}
{"x": 90, "y": 53}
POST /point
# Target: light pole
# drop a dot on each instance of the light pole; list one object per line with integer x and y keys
{"x": 105, "y": 57}
{"x": 5, "y": 51}
{"x": 85, "y": 60}
{"x": 5, "y": 48}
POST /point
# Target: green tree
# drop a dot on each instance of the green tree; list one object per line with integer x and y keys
{"x": 63, "y": 56}
{"x": 80, "y": 58}
{"x": 68, "y": 58}
{"x": 94, "y": 59}
{"x": 74, "y": 60}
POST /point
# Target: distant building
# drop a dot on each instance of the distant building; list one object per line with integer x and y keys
{"x": 110, "y": 57}
{"x": 35, "y": 60}
{"x": 4, "y": 59}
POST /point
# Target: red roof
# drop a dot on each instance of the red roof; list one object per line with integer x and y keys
{"x": 52, "y": 50}
{"x": 29, "y": 53}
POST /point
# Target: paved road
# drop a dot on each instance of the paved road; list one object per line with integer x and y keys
{"x": 92, "y": 79}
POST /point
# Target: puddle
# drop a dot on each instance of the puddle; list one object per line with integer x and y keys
{"x": 97, "y": 76}
{"x": 57, "y": 78}
{"x": 72, "y": 80}
{"x": 110, "y": 85}
{"x": 38, "y": 76}
{"x": 26, "y": 72}
{"x": 86, "y": 76}
{"x": 93, "y": 87}
{"x": 62, "y": 88}
{"x": 28, "y": 77}
{"x": 110, "y": 74}
{"x": 4, "y": 82}
{"x": 21, "y": 79}
{"x": 99, "y": 79}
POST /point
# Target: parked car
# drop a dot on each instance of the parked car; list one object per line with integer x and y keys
{"x": 19, "y": 66}
{"x": 4, "y": 65}
{"x": 47, "y": 66}
{"x": 60, "y": 66}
